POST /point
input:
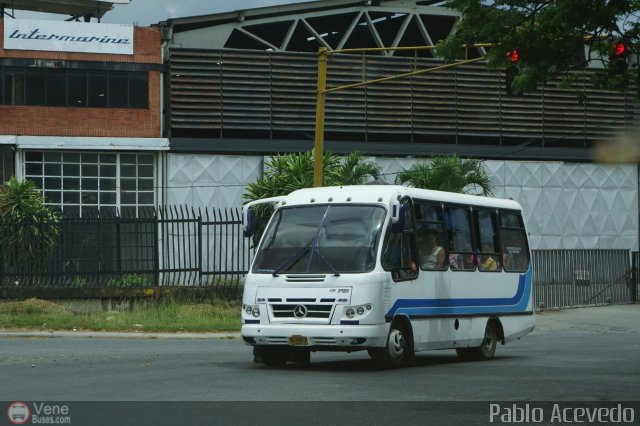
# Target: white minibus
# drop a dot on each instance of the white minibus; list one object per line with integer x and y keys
{"x": 388, "y": 269}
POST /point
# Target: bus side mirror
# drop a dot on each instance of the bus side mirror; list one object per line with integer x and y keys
{"x": 248, "y": 222}
{"x": 397, "y": 218}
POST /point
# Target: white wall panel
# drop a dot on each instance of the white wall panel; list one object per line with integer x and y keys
{"x": 566, "y": 205}
{"x": 531, "y": 201}
{"x": 574, "y": 176}
{"x": 496, "y": 169}
{"x": 532, "y": 174}
{"x": 513, "y": 173}
{"x": 553, "y": 175}
{"x": 554, "y": 211}
{"x": 202, "y": 180}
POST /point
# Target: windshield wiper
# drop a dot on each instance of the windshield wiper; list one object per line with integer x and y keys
{"x": 313, "y": 246}
{"x": 292, "y": 259}
{"x": 316, "y": 249}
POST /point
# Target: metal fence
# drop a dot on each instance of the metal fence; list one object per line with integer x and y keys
{"x": 635, "y": 276}
{"x": 178, "y": 247}
{"x": 160, "y": 247}
{"x": 570, "y": 278}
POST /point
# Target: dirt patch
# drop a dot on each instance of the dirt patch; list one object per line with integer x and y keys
{"x": 31, "y": 306}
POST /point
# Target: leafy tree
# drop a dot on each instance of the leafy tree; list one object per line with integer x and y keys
{"x": 448, "y": 173}
{"x": 289, "y": 172}
{"x": 547, "y": 34}
{"x": 28, "y": 229}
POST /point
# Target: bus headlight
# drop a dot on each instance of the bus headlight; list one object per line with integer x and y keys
{"x": 251, "y": 311}
{"x": 357, "y": 312}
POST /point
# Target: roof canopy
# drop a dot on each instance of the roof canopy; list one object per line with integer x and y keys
{"x": 77, "y": 8}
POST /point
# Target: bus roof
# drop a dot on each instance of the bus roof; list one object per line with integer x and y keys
{"x": 384, "y": 194}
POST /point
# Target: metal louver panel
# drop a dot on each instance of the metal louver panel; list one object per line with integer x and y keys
{"x": 213, "y": 91}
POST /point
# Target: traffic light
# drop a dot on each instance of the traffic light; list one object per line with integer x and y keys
{"x": 618, "y": 58}
{"x": 512, "y": 70}
{"x": 513, "y": 56}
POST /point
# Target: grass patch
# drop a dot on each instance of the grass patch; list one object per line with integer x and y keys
{"x": 161, "y": 316}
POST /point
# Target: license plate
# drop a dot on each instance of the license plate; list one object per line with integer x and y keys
{"x": 298, "y": 341}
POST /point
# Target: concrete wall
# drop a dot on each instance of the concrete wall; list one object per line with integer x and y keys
{"x": 566, "y": 205}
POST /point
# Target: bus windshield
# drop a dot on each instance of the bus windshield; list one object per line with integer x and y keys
{"x": 321, "y": 239}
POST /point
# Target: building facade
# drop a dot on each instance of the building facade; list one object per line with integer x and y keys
{"x": 192, "y": 111}
{"x": 80, "y": 112}
{"x": 242, "y": 85}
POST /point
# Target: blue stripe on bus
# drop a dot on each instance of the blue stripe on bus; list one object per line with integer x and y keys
{"x": 426, "y": 307}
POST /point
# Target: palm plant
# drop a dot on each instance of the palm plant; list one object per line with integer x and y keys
{"x": 353, "y": 170}
{"x": 289, "y": 172}
{"x": 28, "y": 229}
{"x": 448, "y": 173}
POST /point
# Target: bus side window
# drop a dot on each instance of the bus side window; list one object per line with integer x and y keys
{"x": 431, "y": 237}
{"x": 487, "y": 237}
{"x": 460, "y": 247}
{"x": 515, "y": 251}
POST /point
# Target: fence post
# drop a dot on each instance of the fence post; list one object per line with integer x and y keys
{"x": 156, "y": 246}
{"x": 199, "y": 243}
{"x": 118, "y": 243}
{"x": 635, "y": 256}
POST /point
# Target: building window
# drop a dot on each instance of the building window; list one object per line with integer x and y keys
{"x": 74, "y": 88}
{"x": 92, "y": 182}
{"x": 12, "y": 86}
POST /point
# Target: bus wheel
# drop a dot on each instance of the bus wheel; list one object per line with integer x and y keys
{"x": 487, "y": 348}
{"x": 274, "y": 356}
{"x": 398, "y": 350}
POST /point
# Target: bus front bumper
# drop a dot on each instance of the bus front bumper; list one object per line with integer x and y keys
{"x": 316, "y": 337}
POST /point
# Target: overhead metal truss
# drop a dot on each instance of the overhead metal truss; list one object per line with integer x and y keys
{"x": 306, "y": 27}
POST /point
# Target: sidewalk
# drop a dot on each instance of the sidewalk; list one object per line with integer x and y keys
{"x": 103, "y": 334}
{"x": 600, "y": 319}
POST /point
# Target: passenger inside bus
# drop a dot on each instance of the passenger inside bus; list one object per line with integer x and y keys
{"x": 455, "y": 259}
{"x": 432, "y": 254}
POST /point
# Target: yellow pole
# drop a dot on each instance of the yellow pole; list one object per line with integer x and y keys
{"x": 320, "y": 106}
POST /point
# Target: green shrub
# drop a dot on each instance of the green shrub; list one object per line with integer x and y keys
{"x": 130, "y": 281}
{"x": 28, "y": 229}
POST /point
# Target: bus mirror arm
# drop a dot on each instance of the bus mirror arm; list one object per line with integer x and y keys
{"x": 397, "y": 217}
{"x": 249, "y": 222}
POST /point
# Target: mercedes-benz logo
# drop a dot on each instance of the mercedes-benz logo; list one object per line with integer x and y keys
{"x": 300, "y": 311}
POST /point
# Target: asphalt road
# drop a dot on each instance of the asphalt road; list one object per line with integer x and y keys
{"x": 588, "y": 354}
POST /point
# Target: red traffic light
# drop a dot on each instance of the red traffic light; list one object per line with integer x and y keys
{"x": 512, "y": 55}
{"x": 619, "y": 49}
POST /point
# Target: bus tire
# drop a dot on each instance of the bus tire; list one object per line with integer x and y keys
{"x": 487, "y": 348}
{"x": 276, "y": 356}
{"x": 398, "y": 351}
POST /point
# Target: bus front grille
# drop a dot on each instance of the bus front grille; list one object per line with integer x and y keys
{"x": 301, "y": 310}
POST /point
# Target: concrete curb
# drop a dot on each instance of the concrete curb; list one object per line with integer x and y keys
{"x": 111, "y": 334}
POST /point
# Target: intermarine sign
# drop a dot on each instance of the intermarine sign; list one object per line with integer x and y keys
{"x": 57, "y": 36}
